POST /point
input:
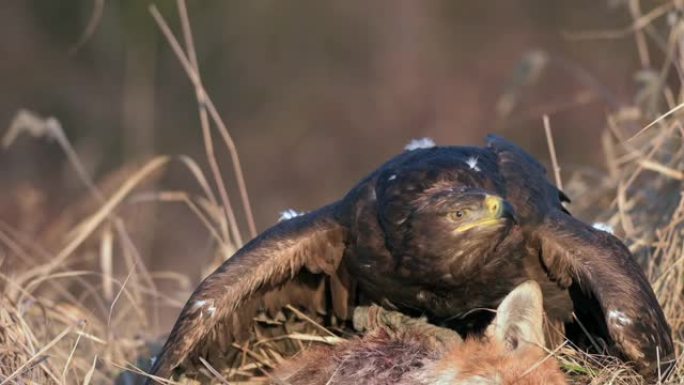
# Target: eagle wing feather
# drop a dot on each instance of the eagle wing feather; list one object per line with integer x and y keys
{"x": 599, "y": 270}
{"x": 286, "y": 264}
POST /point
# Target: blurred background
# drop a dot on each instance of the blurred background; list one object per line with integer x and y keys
{"x": 315, "y": 94}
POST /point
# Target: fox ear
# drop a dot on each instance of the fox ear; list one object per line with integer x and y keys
{"x": 519, "y": 318}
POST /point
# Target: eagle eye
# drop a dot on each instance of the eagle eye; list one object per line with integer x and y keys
{"x": 458, "y": 214}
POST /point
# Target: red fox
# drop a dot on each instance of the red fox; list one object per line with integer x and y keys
{"x": 401, "y": 350}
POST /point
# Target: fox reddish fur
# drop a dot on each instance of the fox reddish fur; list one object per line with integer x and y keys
{"x": 407, "y": 351}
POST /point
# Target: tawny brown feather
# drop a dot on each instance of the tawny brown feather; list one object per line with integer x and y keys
{"x": 283, "y": 266}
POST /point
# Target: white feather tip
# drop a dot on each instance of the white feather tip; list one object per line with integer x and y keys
{"x": 420, "y": 143}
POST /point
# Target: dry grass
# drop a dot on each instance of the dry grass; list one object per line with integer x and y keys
{"x": 66, "y": 318}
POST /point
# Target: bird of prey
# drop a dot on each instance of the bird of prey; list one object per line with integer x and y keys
{"x": 436, "y": 231}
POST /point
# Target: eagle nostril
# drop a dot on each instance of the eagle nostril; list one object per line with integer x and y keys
{"x": 494, "y": 207}
{"x": 493, "y": 204}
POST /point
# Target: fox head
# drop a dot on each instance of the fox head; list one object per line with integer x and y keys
{"x": 512, "y": 351}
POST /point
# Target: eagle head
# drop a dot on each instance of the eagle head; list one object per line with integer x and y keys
{"x": 471, "y": 218}
{"x": 480, "y": 211}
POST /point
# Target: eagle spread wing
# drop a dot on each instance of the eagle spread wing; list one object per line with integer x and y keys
{"x": 311, "y": 244}
{"x": 607, "y": 283}
{"x": 607, "y": 286}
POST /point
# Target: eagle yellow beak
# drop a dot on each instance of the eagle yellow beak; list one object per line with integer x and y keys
{"x": 494, "y": 205}
{"x": 495, "y": 210}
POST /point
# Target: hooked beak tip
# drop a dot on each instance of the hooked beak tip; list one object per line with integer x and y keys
{"x": 509, "y": 213}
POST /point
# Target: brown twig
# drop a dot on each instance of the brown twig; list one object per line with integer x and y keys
{"x": 552, "y": 152}
{"x": 194, "y": 77}
{"x": 95, "y": 17}
{"x": 206, "y": 130}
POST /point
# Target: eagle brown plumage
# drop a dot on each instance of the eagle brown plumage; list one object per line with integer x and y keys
{"x": 437, "y": 231}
